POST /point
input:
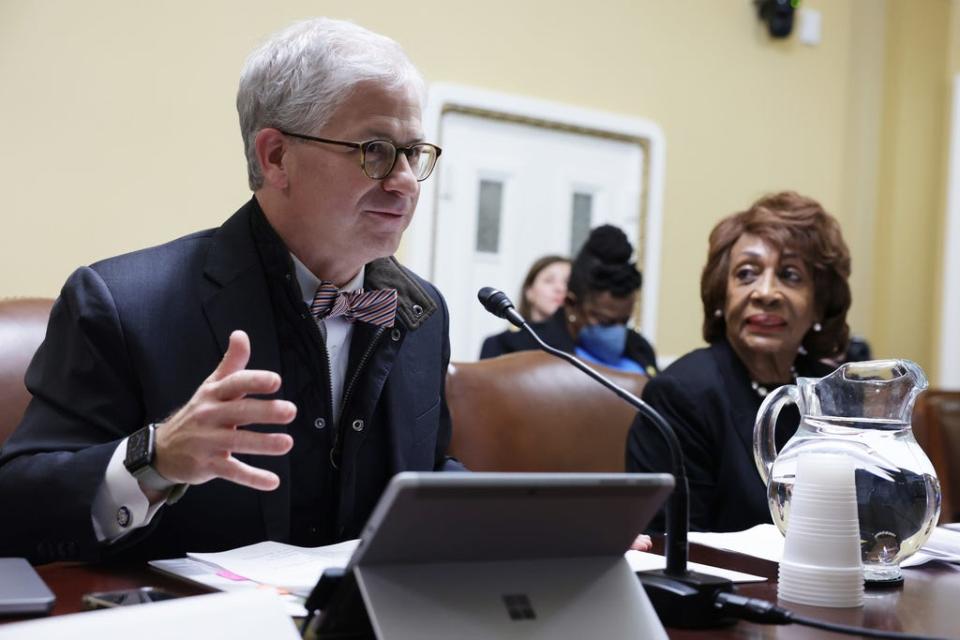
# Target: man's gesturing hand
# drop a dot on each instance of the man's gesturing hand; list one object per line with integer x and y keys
{"x": 197, "y": 443}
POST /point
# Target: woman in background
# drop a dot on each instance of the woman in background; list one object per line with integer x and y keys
{"x": 775, "y": 299}
{"x": 541, "y": 294}
{"x": 592, "y": 324}
{"x": 544, "y": 288}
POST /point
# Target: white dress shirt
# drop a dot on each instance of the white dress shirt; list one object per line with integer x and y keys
{"x": 337, "y": 331}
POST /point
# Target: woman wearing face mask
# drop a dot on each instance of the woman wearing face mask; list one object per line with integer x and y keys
{"x": 775, "y": 300}
{"x": 542, "y": 293}
{"x": 592, "y": 323}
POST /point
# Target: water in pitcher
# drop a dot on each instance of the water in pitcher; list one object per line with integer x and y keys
{"x": 898, "y": 495}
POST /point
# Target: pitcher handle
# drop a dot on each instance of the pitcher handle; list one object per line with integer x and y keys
{"x": 764, "y": 429}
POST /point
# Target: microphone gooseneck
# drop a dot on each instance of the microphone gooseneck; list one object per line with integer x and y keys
{"x": 497, "y": 303}
{"x": 681, "y": 597}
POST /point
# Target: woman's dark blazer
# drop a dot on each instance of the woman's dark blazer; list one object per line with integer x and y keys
{"x": 554, "y": 332}
{"x": 707, "y": 398}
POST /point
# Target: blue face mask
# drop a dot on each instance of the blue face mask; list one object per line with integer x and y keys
{"x": 605, "y": 342}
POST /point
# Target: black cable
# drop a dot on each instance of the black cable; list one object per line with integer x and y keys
{"x": 763, "y": 612}
{"x": 859, "y": 631}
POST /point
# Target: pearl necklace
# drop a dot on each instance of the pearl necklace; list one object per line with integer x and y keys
{"x": 762, "y": 391}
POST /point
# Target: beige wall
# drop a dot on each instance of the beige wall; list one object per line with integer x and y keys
{"x": 911, "y": 186}
{"x": 119, "y": 129}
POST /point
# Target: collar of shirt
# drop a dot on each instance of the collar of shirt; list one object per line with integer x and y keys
{"x": 309, "y": 282}
{"x": 336, "y": 332}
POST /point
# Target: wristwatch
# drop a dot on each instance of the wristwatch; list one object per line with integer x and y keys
{"x": 139, "y": 459}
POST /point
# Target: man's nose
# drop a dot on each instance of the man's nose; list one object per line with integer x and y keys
{"x": 401, "y": 180}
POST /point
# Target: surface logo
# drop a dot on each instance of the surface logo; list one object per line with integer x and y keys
{"x": 519, "y": 607}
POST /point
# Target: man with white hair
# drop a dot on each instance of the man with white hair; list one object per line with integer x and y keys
{"x": 261, "y": 380}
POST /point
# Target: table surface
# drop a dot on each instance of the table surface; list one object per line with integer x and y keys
{"x": 927, "y": 604}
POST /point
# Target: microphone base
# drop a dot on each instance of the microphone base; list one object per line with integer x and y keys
{"x": 686, "y": 601}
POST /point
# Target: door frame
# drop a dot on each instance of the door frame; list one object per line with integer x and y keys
{"x": 445, "y": 98}
{"x": 949, "y": 351}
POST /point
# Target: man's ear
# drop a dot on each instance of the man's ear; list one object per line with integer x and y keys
{"x": 271, "y": 146}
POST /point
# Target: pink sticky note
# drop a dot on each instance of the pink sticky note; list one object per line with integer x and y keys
{"x": 229, "y": 575}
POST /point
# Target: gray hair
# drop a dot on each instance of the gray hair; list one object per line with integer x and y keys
{"x": 297, "y": 79}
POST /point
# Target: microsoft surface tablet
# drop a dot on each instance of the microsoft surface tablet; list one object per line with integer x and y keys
{"x": 469, "y": 517}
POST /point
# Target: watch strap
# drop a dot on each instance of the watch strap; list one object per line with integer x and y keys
{"x": 141, "y": 466}
{"x": 151, "y": 479}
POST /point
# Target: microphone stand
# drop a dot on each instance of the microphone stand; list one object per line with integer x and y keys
{"x": 682, "y": 598}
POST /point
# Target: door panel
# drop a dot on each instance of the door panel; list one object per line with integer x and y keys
{"x": 540, "y": 170}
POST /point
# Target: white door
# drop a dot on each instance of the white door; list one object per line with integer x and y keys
{"x": 509, "y": 193}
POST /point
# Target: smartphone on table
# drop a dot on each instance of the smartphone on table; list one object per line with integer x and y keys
{"x": 143, "y": 595}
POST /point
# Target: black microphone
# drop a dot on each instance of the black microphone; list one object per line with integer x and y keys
{"x": 681, "y": 597}
{"x": 497, "y": 303}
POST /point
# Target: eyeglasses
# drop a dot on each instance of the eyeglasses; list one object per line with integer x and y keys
{"x": 379, "y": 157}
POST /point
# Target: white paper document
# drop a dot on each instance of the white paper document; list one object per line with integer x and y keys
{"x": 641, "y": 561}
{"x": 208, "y": 575}
{"x": 237, "y": 616}
{"x": 286, "y": 570}
{"x": 296, "y": 569}
{"x": 765, "y": 541}
{"x": 762, "y": 541}
{"x": 943, "y": 546}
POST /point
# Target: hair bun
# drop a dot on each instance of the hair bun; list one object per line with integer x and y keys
{"x": 609, "y": 244}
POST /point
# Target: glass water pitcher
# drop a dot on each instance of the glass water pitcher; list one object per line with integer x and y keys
{"x": 862, "y": 410}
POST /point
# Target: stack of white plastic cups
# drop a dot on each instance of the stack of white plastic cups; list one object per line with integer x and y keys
{"x": 821, "y": 555}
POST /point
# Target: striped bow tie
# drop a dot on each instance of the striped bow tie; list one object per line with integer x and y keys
{"x": 374, "y": 307}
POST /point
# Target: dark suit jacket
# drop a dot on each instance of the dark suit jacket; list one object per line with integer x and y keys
{"x": 554, "y": 332}
{"x": 129, "y": 341}
{"x": 707, "y": 398}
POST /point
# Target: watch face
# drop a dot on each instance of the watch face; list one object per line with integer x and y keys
{"x": 138, "y": 450}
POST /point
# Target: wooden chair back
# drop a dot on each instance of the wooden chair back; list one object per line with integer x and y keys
{"x": 531, "y": 411}
{"x": 936, "y": 426}
{"x": 23, "y": 324}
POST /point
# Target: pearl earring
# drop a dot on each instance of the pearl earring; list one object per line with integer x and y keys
{"x": 717, "y": 313}
{"x": 571, "y": 318}
{"x": 817, "y": 327}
